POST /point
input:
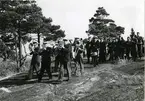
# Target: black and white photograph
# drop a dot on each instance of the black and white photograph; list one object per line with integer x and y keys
{"x": 72, "y": 50}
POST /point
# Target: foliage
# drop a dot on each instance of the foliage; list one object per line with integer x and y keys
{"x": 19, "y": 18}
{"x": 101, "y": 26}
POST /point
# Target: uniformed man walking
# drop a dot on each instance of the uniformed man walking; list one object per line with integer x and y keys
{"x": 63, "y": 58}
{"x": 45, "y": 63}
{"x": 35, "y": 63}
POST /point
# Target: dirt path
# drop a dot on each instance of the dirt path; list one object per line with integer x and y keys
{"x": 107, "y": 82}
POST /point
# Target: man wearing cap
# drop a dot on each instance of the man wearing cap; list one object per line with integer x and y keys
{"x": 79, "y": 57}
{"x": 45, "y": 63}
{"x": 88, "y": 49}
{"x": 139, "y": 45}
{"x": 63, "y": 58}
{"x": 102, "y": 51}
{"x": 35, "y": 63}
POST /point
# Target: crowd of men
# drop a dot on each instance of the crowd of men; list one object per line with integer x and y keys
{"x": 96, "y": 50}
{"x": 102, "y": 50}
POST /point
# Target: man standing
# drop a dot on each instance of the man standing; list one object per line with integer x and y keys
{"x": 122, "y": 48}
{"x": 63, "y": 58}
{"x": 128, "y": 48}
{"x": 88, "y": 49}
{"x": 94, "y": 51}
{"x": 139, "y": 45}
{"x": 35, "y": 63}
{"x": 79, "y": 57}
{"x": 102, "y": 51}
{"x": 110, "y": 49}
{"x": 134, "y": 48}
{"x": 45, "y": 63}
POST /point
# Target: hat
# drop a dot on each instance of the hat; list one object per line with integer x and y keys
{"x": 49, "y": 45}
{"x": 44, "y": 42}
{"x": 95, "y": 37}
{"x": 65, "y": 40}
{"x": 36, "y": 49}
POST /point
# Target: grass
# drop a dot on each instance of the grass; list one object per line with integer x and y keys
{"x": 10, "y": 67}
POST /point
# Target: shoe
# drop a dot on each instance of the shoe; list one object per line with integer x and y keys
{"x": 50, "y": 79}
{"x": 39, "y": 81}
{"x": 67, "y": 79}
{"x": 60, "y": 80}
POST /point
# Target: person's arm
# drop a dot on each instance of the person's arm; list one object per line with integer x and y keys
{"x": 81, "y": 48}
{"x": 40, "y": 52}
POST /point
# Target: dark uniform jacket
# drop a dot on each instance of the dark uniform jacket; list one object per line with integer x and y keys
{"x": 35, "y": 57}
{"x": 46, "y": 55}
{"x": 63, "y": 55}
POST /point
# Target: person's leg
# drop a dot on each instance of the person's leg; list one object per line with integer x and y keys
{"x": 67, "y": 70}
{"x": 56, "y": 65}
{"x": 139, "y": 51}
{"x": 127, "y": 54}
{"x": 36, "y": 68}
{"x": 76, "y": 67}
{"x": 81, "y": 66}
{"x": 48, "y": 70}
{"x": 30, "y": 73}
{"x": 41, "y": 72}
{"x": 94, "y": 60}
{"x": 88, "y": 57}
{"x": 111, "y": 56}
{"x": 61, "y": 72}
{"x": 4, "y": 56}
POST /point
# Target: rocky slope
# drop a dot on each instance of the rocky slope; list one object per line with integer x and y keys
{"x": 106, "y": 82}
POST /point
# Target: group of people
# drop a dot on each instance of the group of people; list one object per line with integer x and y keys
{"x": 96, "y": 50}
{"x": 102, "y": 50}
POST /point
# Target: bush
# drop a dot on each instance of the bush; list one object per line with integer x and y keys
{"x": 10, "y": 67}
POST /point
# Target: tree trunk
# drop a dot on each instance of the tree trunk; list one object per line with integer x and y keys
{"x": 38, "y": 35}
{"x": 20, "y": 50}
{"x": 20, "y": 47}
{"x": 17, "y": 60}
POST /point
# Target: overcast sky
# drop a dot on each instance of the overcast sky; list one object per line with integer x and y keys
{"x": 74, "y": 15}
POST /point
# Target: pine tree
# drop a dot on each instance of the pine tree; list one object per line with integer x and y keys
{"x": 101, "y": 26}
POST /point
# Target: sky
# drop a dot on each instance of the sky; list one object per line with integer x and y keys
{"x": 73, "y": 15}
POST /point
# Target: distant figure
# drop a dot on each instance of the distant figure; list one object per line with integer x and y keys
{"x": 94, "y": 51}
{"x": 122, "y": 48}
{"x": 134, "y": 48}
{"x": 78, "y": 57}
{"x": 139, "y": 45}
{"x": 102, "y": 54}
{"x": 110, "y": 49}
{"x": 56, "y": 54}
{"x": 88, "y": 49}
{"x": 128, "y": 48}
{"x": 117, "y": 49}
{"x": 45, "y": 63}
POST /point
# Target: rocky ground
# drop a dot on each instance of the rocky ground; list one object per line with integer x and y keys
{"x": 107, "y": 82}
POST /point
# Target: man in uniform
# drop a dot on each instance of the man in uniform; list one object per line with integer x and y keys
{"x": 88, "y": 49}
{"x": 63, "y": 58}
{"x": 134, "y": 48}
{"x": 35, "y": 63}
{"x": 116, "y": 49}
{"x": 45, "y": 63}
{"x": 102, "y": 51}
{"x": 110, "y": 51}
{"x": 128, "y": 48}
{"x": 139, "y": 45}
{"x": 122, "y": 48}
{"x": 78, "y": 58}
